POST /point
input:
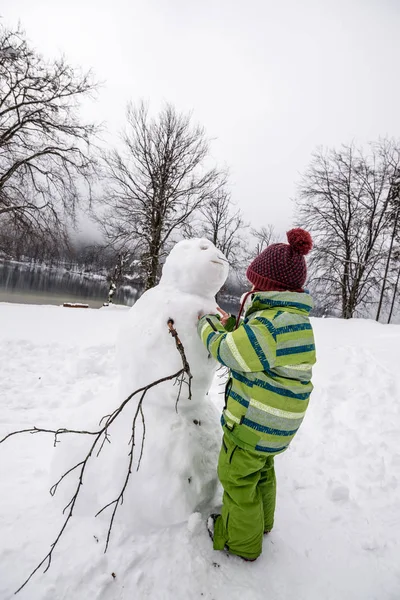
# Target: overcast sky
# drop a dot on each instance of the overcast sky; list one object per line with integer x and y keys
{"x": 270, "y": 80}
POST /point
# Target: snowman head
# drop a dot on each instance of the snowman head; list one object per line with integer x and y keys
{"x": 195, "y": 266}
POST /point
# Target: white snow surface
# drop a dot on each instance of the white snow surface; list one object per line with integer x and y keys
{"x": 337, "y": 533}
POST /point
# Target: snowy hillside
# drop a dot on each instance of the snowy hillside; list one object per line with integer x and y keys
{"x": 337, "y": 533}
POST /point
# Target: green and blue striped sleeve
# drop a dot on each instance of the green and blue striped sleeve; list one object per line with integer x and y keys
{"x": 250, "y": 348}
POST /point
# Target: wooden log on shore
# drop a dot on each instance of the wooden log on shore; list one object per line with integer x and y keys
{"x": 75, "y": 305}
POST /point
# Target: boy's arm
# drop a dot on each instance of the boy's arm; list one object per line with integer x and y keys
{"x": 250, "y": 348}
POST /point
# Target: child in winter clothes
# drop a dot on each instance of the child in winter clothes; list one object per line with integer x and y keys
{"x": 270, "y": 355}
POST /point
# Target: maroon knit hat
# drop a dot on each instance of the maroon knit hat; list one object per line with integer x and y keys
{"x": 282, "y": 267}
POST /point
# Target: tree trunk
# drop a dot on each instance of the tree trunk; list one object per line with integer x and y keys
{"x": 353, "y": 297}
{"x": 115, "y": 279}
{"x": 345, "y": 297}
{"x": 394, "y": 296}
{"x": 388, "y": 263}
{"x": 154, "y": 263}
{"x": 348, "y": 311}
{"x": 152, "y": 278}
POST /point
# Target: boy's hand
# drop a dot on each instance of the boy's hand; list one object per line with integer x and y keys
{"x": 224, "y": 316}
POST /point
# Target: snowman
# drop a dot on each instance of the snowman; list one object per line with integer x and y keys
{"x": 177, "y": 474}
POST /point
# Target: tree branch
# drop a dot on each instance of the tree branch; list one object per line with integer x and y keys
{"x": 104, "y": 424}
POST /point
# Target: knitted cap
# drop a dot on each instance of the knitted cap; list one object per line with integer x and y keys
{"x": 282, "y": 267}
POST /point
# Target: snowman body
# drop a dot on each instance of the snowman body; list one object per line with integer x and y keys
{"x": 177, "y": 474}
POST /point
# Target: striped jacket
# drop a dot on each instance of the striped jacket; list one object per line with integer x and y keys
{"x": 270, "y": 357}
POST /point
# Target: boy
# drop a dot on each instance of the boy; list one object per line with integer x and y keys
{"x": 270, "y": 356}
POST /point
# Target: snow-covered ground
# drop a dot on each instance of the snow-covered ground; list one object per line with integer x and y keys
{"x": 337, "y": 533}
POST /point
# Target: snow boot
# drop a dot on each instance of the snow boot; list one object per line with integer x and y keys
{"x": 210, "y": 528}
{"x": 210, "y": 525}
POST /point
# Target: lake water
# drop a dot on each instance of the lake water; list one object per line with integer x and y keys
{"x": 32, "y": 283}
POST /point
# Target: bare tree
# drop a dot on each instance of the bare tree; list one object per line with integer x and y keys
{"x": 156, "y": 182}
{"x": 344, "y": 201}
{"x": 44, "y": 148}
{"x": 264, "y": 236}
{"x": 117, "y": 276}
{"x": 38, "y": 244}
{"x": 394, "y": 225}
{"x": 224, "y": 225}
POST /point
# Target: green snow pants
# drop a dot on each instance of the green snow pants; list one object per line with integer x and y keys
{"x": 248, "y": 508}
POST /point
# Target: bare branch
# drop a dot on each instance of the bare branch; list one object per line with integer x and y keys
{"x": 105, "y": 423}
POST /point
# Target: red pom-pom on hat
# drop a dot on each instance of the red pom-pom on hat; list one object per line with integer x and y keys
{"x": 300, "y": 240}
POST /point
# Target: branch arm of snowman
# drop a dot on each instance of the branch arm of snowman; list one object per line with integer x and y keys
{"x": 100, "y": 437}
